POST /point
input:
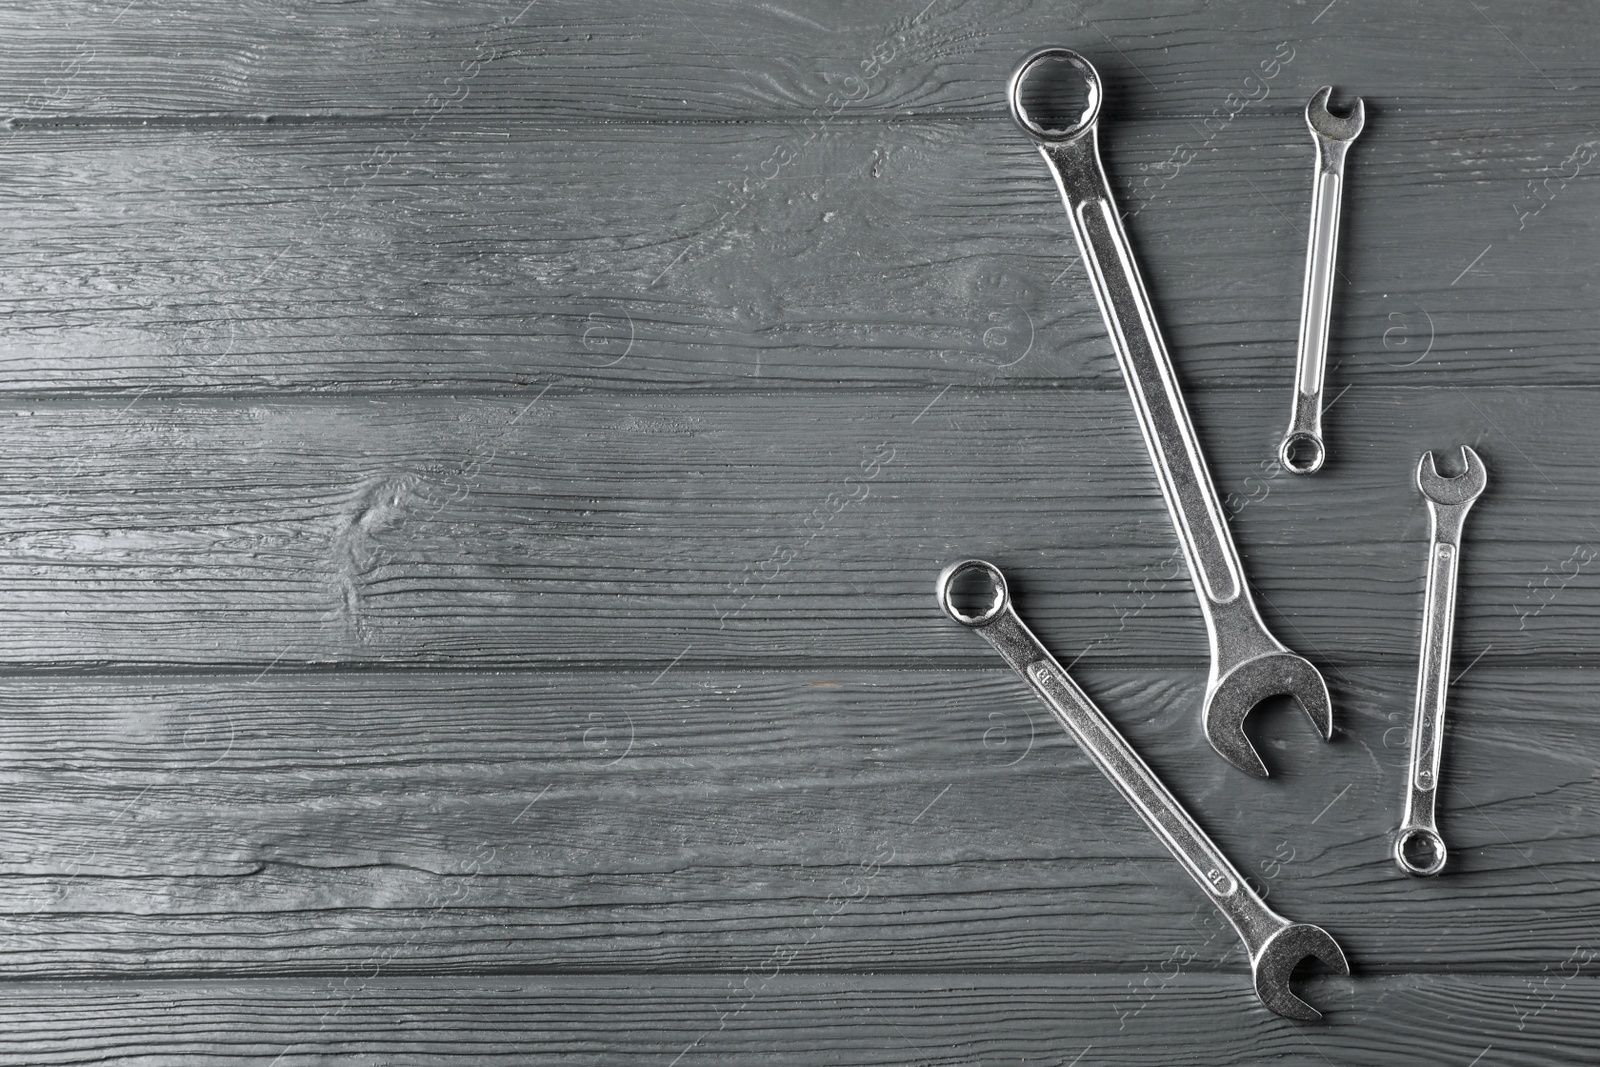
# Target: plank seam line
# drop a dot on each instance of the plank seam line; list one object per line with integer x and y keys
{"x": 55, "y": 979}
{"x": 876, "y": 115}
{"x": 920, "y": 666}
{"x": 580, "y": 122}
{"x": 223, "y": 396}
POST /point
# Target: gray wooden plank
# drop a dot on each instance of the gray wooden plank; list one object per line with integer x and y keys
{"x": 566, "y": 59}
{"x": 934, "y": 820}
{"x": 595, "y": 529}
{"x": 788, "y": 1019}
{"x": 365, "y": 825}
{"x": 156, "y": 261}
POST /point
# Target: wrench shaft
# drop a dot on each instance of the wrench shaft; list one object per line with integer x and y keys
{"x": 1433, "y": 672}
{"x": 1164, "y": 420}
{"x": 1317, "y": 308}
{"x": 1116, "y": 759}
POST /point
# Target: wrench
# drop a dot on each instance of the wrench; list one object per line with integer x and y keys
{"x": 1247, "y": 663}
{"x": 1275, "y": 945}
{"x": 1302, "y": 451}
{"x": 1449, "y": 500}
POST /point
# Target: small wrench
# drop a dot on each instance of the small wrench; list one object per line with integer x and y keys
{"x": 1449, "y": 500}
{"x": 1302, "y": 451}
{"x": 1247, "y": 663}
{"x": 1275, "y": 945}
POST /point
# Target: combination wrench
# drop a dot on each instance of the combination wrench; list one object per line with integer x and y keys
{"x": 1247, "y": 663}
{"x": 1302, "y": 450}
{"x": 1275, "y": 945}
{"x": 1418, "y": 848}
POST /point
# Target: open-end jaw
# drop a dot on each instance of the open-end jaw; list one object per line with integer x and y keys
{"x": 1458, "y": 489}
{"x": 1230, "y": 698}
{"x": 1325, "y": 123}
{"x": 1277, "y": 960}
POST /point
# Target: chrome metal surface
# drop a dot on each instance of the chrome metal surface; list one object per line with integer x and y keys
{"x": 1418, "y": 848}
{"x": 1247, "y": 663}
{"x": 1275, "y": 945}
{"x": 1302, "y": 450}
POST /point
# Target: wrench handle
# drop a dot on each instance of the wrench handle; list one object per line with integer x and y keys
{"x": 1116, "y": 759}
{"x": 1302, "y": 450}
{"x": 1142, "y": 353}
{"x": 1427, "y": 718}
{"x": 1321, "y": 252}
{"x": 1433, "y": 670}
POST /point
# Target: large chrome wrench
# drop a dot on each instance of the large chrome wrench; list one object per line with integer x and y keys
{"x": 1418, "y": 848}
{"x": 1275, "y": 945}
{"x": 1247, "y": 663}
{"x": 1302, "y": 450}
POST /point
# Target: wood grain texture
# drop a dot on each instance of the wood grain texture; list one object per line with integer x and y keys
{"x": 439, "y": 627}
{"x": 930, "y": 1021}
{"x": 587, "y": 528}
{"x": 891, "y": 821}
{"x": 152, "y": 261}
{"x": 570, "y": 60}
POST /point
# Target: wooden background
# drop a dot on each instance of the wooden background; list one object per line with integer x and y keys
{"x": 475, "y": 472}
